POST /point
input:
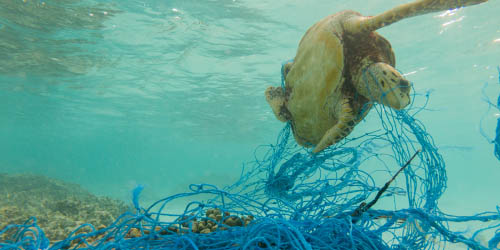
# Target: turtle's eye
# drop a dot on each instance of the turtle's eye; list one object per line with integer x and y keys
{"x": 404, "y": 85}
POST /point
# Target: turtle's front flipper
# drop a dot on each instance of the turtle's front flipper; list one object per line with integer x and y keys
{"x": 343, "y": 128}
{"x": 421, "y": 7}
{"x": 275, "y": 96}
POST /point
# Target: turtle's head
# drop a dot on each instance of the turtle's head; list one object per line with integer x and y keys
{"x": 382, "y": 83}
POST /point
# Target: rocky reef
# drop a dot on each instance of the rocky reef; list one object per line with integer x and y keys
{"x": 58, "y": 206}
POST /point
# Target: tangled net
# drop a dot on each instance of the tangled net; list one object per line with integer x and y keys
{"x": 496, "y": 140}
{"x": 288, "y": 198}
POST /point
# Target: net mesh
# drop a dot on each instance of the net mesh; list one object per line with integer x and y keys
{"x": 496, "y": 140}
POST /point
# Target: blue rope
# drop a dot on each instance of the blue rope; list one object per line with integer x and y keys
{"x": 496, "y": 141}
{"x": 135, "y": 196}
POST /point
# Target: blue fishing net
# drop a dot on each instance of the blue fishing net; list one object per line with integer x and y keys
{"x": 289, "y": 198}
{"x": 496, "y": 140}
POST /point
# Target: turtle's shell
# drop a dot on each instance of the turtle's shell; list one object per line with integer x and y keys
{"x": 320, "y": 75}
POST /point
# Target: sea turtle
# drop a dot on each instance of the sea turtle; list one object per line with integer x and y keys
{"x": 342, "y": 66}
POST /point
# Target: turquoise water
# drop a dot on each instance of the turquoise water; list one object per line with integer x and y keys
{"x": 167, "y": 93}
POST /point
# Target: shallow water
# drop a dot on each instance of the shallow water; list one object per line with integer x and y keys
{"x": 168, "y": 93}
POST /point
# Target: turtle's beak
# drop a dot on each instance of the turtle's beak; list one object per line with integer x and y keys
{"x": 404, "y": 85}
{"x": 398, "y": 96}
{"x": 402, "y": 95}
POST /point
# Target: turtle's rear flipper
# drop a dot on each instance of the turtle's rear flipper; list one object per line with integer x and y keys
{"x": 275, "y": 96}
{"x": 416, "y": 8}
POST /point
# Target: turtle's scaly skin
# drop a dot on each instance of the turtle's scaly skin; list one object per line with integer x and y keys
{"x": 341, "y": 67}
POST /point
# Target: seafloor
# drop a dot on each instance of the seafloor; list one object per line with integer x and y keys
{"x": 59, "y": 207}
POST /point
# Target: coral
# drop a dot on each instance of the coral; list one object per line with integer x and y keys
{"x": 59, "y": 207}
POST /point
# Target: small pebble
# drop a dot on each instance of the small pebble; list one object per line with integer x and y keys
{"x": 134, "y": 233}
